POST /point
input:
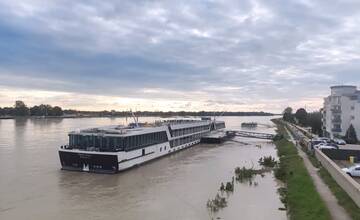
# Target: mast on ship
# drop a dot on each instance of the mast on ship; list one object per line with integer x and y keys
{"x": 136, "y": 119}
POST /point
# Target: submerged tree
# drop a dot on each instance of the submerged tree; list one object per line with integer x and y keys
{"x": 350, "y": 136}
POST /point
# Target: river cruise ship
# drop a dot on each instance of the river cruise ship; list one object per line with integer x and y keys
{"x": 114, "y": 148}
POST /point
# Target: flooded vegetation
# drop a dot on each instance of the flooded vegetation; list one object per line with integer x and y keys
{"x": 244, "y": 175}
{"x": 217, "y": 203}
{"x": 268, "y": 161}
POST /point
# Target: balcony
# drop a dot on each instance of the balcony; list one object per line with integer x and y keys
{"x": 336, "y": 120}
{"x": 336, "y": 111}
{"x": 336, "y": 130}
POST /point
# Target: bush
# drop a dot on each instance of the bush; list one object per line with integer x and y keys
{"x": 229, "y": 187}
{"x": 267, "y": 161}
{"x": 217, "y": 203}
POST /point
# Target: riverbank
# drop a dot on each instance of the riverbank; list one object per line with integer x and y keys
{"x": 300, "y": 195}
{"x": 341, "y": 198}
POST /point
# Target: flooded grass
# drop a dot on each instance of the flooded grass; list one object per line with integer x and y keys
{"x": 300, "y": 196}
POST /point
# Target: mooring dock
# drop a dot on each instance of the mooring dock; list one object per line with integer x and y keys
{"x": 217, "y": 137}
{"x": 221, "y": 136}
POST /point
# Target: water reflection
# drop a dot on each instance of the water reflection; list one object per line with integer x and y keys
{"x": 44, "y": 122}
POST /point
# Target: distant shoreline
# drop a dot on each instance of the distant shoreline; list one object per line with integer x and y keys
{"x": 121, "y": 116}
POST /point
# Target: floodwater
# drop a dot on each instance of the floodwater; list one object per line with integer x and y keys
{"x": 32, "y": 186}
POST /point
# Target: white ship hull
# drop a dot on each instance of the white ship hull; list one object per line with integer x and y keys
{"x": 124, "y": 160}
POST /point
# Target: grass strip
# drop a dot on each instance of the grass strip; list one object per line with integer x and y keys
{"x": 300, "y": 196}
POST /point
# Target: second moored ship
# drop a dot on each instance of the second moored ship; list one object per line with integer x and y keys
{"x": 114, "y": 148}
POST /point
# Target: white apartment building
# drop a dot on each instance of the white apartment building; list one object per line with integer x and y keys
{"x": 341, "y": 109}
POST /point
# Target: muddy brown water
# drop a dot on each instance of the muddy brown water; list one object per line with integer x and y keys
{"x": 32, "y": 186}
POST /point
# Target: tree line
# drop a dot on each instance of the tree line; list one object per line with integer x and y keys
{"x": 305, "y": 119}
{"x": 21, "y": 109}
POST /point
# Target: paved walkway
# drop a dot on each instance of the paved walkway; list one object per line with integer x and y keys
{"x": 336, "y": 211}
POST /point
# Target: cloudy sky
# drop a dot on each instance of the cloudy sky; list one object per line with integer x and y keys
{"x": 241, "y": 55}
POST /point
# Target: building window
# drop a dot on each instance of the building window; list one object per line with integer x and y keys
{"x": 352, "y": 107}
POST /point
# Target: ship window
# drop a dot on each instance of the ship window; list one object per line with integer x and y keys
{"x": 141, "y": 140}
{"x": 104, "y": 143}
{"x": 97, "y": 141}
{"x": 152, "y": 137}
{"x": 126, "y": 142}
{"x": 111, "y": 142}
{"x": 71, "y": 142}
{"x": 132, "y": 142}
{"x": 89, "y": 140}
{"x": 144, "y": 139}
{"x": 137, "y": 141}
{"x": 147, "y": 139}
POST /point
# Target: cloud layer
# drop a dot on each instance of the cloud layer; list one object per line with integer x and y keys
{"x": 191, "y": 55}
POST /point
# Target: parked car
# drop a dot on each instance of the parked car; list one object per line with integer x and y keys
{"x": 326, "y": 146}
{"x": 315, "y": 142}
{"x": 353, "y": 170}
{"x": 319, "y": 144}
{"x": 325, "y": 139}
{"x": 339, "y": 141}
{"x": 329, "y": 146}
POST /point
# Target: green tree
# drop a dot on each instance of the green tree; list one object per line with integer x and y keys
{"x": 20, "y": 109}
{"x": 35, "y": 111}
{"x": 350, "y": 136}
{"x": 288, "y": 115}
{"x": 56, "y": 111}
{"x": 301, "y": 116}
{"x": 314, "y": 120}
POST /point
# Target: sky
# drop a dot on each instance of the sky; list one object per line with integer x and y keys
{"x": 223, "y": 55}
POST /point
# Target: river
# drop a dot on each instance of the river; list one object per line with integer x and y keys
{"x": 32, "y": 185}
